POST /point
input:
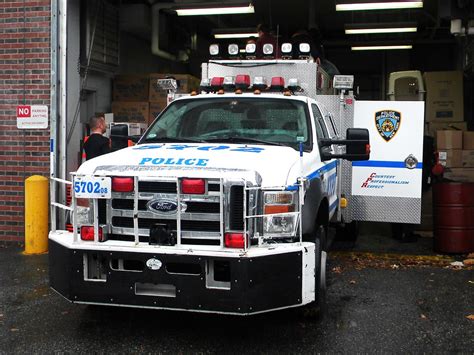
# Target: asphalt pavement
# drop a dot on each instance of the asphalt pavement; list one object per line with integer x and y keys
{"x": 376, "y": 304}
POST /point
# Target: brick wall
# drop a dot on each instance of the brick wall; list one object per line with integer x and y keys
{"x": 24, "y": 79}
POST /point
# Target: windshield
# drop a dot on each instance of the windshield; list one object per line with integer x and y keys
{"x": 239, "y": 120}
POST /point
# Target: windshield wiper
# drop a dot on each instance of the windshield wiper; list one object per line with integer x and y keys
{"x": 237, "y": 139}
{"x": 171, "y": 140}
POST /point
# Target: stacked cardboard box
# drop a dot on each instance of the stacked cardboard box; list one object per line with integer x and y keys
{"x": 444, "y": 102}
{"x": 130, "y": 95}
{"x": 157, "y": 96}
{"x": 456, "y": 153}
{"x": 138, "y": 99}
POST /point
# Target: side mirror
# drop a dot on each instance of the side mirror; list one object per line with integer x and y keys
{"x": 119, "y": 136}
{"x": 357, "y": 144}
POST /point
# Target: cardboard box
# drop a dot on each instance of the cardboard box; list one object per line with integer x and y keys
{"x": 451, "y": 158}
{"x": 131, "y": 88}
{"x": 444, "y": 96}
{"x": 448, "y": 140}
{"x": 432, "y": 127}
{"x": 468, "y": 140}
{"x": 155, "y": 109}
{"x": 459, "y": 174}
{"x": 130, "y": 111}
{"x": 186, "y": 83}
{"x": 467, "y": 158}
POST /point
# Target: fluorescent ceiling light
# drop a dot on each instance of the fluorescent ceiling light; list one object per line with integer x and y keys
{"x": 357, "y": 31}
{"x": 235, "y": 35}
{"x": 225, "y": 10}
{"x": 376, "y": 48}
{"x": 379, "y": 5}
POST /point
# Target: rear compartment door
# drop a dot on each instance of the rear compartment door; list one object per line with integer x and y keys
{"x": 387, "y": 188}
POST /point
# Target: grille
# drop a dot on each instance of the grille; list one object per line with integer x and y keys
{"x": 236, "y": 218}
{"x": 200, "y": 222}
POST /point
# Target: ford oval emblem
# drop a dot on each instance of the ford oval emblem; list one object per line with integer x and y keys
{"x": 154, "y": 264}
{"x": 165, "y": 206}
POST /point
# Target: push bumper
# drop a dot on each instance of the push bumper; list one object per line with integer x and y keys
{"x": 208, "y": 283}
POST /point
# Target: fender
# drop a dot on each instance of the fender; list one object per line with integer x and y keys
{"x": 313, "y": 198}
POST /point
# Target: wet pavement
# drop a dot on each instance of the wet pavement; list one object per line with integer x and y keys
{"x": 376, "y": 304}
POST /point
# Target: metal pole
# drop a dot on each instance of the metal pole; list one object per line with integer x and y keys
{"x": 53, "y": 109}
{"x": 339, "y": 161}
{"x": 61, "y": 150}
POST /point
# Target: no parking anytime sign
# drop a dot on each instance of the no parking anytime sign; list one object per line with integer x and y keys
{"x": 32, "y": 116}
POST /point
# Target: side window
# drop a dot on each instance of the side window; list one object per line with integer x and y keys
{"x": 321, "y": 129}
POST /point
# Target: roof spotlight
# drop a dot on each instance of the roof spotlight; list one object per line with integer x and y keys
{"x": 268, "y": 50}
{"x": 251, "y": 51}
{"x": 233, "y": 49}
{"x": 286, "y": 51}
{"x": 304, "y": 51}
{"x": 214, "y": 50}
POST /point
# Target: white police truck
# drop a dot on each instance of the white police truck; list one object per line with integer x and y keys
{"x": 224, "y": 204}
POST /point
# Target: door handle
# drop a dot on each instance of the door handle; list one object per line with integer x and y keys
{"x": 411, "y": 162}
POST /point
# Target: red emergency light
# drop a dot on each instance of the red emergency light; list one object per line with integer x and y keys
{"x": 193, "y": 186}
{"x": 217, "y": 82}
{"x": 122, "y": 184}
{"x": 242, "y": 81}
{"x": 87, "y": 233}
{"x": 278, "y": 83}
{"x": 234, "y": 240}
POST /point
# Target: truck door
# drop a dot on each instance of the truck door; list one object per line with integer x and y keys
{"x": 387, "y": 188}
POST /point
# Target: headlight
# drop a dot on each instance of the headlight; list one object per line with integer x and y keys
{"x": 280, "y": 206}
{"x": 280, "y": 225}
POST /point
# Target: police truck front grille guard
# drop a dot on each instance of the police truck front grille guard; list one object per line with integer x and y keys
{"x": 249, "y": 217}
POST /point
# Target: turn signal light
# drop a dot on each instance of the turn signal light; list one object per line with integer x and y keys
{"x": 122, "y": 184}
{"x": 234, "y": 240}
{"x": 193, "y": 186}
{"x": 367, "y": 149}
{"x": 87, "y": 233}
{"x": 269, "y": 209}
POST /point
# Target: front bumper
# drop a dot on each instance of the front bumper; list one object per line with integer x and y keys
{"x": 245, "y": 284}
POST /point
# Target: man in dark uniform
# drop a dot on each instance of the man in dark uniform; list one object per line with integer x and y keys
{"x": 96, "y": 144}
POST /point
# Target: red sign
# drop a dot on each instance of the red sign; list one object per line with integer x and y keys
{"x": 23, "y": 111}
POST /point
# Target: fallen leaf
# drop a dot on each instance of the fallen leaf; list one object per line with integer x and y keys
{"x": 395, "y": 266}
{"x": 457, "y": 263}
{"x": 468, "y": 262}
{"x": 14, "y": 329}
{"x": 65, "y": 312}
{"x": 337, "y": 270}
{"x": 470, "y": 256}
{"x": 423, "y": 316}
{"x": 470, "y": 317}
{"x": 352, "y": 282}
{"x": 471, "y": 282}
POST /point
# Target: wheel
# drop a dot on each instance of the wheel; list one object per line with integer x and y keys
{"x": 318, "y": 308}
{"x": 347, "y": 232}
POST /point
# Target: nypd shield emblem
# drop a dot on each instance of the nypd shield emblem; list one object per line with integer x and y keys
{"x": 387, "y": 123}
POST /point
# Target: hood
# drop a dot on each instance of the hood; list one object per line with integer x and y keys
{"x": 271, "y": 163}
